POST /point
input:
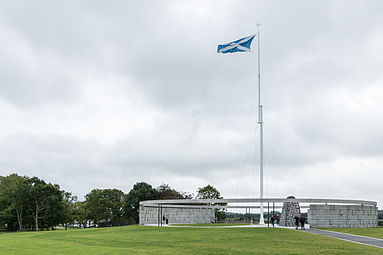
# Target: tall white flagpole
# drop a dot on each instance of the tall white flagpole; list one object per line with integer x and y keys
{"x": 260, "y": 122}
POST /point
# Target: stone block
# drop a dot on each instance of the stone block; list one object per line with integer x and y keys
{"x": 342, "y": 216}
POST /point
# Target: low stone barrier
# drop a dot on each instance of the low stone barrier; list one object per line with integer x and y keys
{"x": 343, "y": 216}
{"x": 151, "y": 215}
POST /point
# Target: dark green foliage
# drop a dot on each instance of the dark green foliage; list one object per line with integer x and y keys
{"x": 46, "y": 203}
{"x": 29, "y": 203}
{"x": 32, "y": 204}
{"x": 14, "y": 200}
{"x": 166, "y": 192}
{"x": 209, "y": 192}
{"x": 105, "y": 205}
{"x": 79, "y": 214}
{"x": 141, "y": 191}
{"x": 53, "y": 213}
{"x": 68, "y": 215}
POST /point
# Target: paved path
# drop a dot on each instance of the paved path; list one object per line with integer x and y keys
{"x": 376, "y": 242}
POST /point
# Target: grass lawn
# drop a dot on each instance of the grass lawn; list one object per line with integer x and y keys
{"x": 371, "y": 232}
{"x": 154, "y": 240}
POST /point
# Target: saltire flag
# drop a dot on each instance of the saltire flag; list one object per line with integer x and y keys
{"x": 241, "y": 45}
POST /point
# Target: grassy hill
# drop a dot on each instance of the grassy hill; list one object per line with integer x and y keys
{"x": 154, "y": 240}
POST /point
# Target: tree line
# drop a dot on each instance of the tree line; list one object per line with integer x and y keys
{"x": 30, "y": 203}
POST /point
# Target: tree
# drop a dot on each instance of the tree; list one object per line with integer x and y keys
{"x": 115, "y": 206}
{"x": 29, "y": 203}
{"x": 39, "y": 192}
{"x": 79, "y": 213}
{"x": 105, "y": 205}
{"x": 68, "y": 208}
{"x": 164, "y": 191}
{"x": 38, "y": 198}
{"x": 14, "y": 196}
{"x": 94, "y": 204}
{"x": 7, "y": 213}
{"x": 141, "y": 191}
{"x": 209, "y": 192}
{"x": 54, "y": 208}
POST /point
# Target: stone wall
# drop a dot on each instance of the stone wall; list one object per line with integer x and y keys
{"x": 175, "y": 215}
{"x": 343, "y": 216}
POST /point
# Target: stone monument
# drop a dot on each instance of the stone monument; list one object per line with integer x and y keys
{"x": 289, "y": 210}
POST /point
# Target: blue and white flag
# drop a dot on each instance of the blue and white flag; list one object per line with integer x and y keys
{"x": 241, "y": 45}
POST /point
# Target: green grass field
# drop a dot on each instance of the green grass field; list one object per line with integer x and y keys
{"x": 371, "y": 232}
{"x": 154, "y": 240}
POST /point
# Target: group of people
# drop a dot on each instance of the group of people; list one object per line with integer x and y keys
{"x": 299, "y": 219}
{"x": 275, "y": 218}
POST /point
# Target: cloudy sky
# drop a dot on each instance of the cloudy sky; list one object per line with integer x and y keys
{"x": 101, "y": 94}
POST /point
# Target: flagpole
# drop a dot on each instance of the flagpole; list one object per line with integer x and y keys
{"x": 260, "y": 122}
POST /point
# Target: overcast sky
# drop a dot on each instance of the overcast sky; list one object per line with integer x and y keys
{"x": 104, "y": 94}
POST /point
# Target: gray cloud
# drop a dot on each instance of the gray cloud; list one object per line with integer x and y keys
{"x": 100, "y": 95}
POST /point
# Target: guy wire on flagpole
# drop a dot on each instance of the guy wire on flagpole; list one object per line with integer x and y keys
{"x": 243, "y": 45}
{"x": 260, "y": 122}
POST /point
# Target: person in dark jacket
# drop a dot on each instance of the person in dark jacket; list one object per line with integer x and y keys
{"x": 278, "y": 219}
{"x": 272, "y": 219}
{"x": 302, "y": 220}
{"x": 296, "y": 218}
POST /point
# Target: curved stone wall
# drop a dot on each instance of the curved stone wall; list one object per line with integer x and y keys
{"x": 342, "y": 213}
{"x": 343, "y": 216}
{"x": 175, "y": 215}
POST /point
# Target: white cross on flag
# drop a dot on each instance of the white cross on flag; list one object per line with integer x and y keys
{"x": 241, "y": 45}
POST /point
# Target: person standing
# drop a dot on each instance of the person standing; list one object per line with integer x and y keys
{"x": 296, "y": 218}
{"x": 272, "y": 219}
{"x": 278, "y": 218}
{"x": 302, "y": 220}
